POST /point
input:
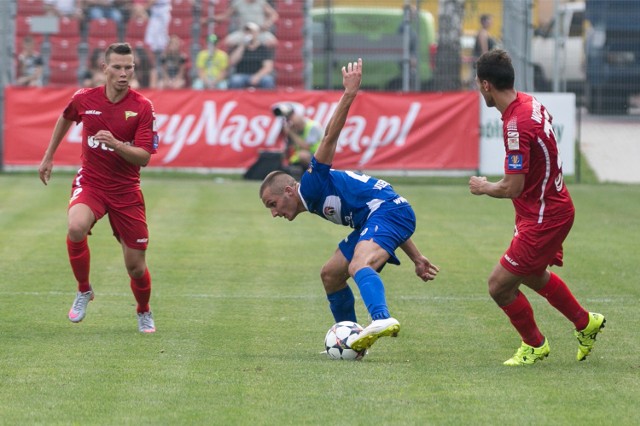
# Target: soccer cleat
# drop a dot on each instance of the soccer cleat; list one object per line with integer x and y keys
{"x": 378, "y": 328}
{"x": 145, "y": 322}
{"x": 527, "y": 355}
{"x": 587, "y": 337}
{"x": 79, "y": 308}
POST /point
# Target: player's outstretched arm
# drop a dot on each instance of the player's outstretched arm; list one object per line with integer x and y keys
{"x": 351, "y": 78}
{"x": 424, "y": 268}
{"x": 46, "y": 165}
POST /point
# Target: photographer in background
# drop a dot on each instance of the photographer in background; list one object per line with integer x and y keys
{"x": 303, "y": 135}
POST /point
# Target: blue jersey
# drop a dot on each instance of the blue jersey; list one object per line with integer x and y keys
{"x": 345, "y": 197}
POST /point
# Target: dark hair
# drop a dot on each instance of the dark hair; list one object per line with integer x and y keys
{"x": 118, "y": 49}
{"x": 495, "y": 67}
{"x": 485, "y": 18}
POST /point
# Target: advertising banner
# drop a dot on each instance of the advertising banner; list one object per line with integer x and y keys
{"x": 228, "y": 129}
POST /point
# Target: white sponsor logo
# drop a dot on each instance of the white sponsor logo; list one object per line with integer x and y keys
{"x": 223, "y": 124}
{"x": 142, "y": 240}
{"x": 92, "y": 112}
{"x": 511, "y": 261}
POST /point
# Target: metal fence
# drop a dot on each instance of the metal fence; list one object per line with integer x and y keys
{"x": 589, "y": 47}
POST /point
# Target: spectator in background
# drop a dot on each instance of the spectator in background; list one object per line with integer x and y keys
{"x": 484, "y": 41}
{"x": 64, "y": 8}
{"x": 29, "y": 65}
{"x": 173, "y": 65}
{"x": 94, "y": 76}
{"x": 145, "y": 76}
{"x": 156, "y": 36}
{"x": 212, "y": 64}
{"x": 103, "y": 9}
{"x": 259, "y": 12}
{"x": 253, "y": 61}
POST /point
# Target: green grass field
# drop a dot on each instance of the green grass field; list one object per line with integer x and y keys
{"x": 241, "y": 316}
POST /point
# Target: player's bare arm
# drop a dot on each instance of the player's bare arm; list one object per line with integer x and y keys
{"x": 46, "y": 165}
{"x": 424, "y": 268}
{"x": 351, "y": 78}
{"x": 510, "y": 186}
{"x": 132, "y": 154}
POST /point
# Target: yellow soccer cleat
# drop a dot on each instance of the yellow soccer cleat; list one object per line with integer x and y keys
{"x": 587, "y": 337}
{"x": 527, "y": 355}
{"x": 378, "y": 328}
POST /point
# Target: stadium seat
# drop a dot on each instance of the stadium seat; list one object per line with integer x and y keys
{"x": 289, "y": 51}
{"x": 101, "y": 33}
{"x": 181, "y": 8}
{"x": 289, "y": 8}
{"x": 181, "y": 27}
{"x": 63, "y": 72}
{"x": 64, "y": 49}
{"x": 30, "y": 7}
{"x": 289, "y": 74}
{"x": 289, "y": 28}
{"x": 69, "y": 27}
{"x": 135, "y": 30}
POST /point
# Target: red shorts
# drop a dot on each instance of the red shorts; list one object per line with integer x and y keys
{"x": 126, "y": 213}
{"x": 535, "y": 246}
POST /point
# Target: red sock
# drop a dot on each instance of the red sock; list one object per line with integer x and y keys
{"x": 141, "y": 288}
{"x": 80, "y": 257}
{"x": 521, "y": 315}
{"x": 560, "y": 297}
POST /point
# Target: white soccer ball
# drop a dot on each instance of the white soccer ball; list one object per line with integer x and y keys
{"x": 335, "y": 342}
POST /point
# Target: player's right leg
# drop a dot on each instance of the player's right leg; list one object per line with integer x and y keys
{"x": 80, "y": 219}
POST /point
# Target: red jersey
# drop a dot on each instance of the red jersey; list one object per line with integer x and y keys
{"x": 131, "y": 120}
{"x": 531, "y": 149}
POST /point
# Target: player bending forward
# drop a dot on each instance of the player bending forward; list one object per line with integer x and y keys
{"x": 382, "y": 221}
{"x": 118, "y": 138}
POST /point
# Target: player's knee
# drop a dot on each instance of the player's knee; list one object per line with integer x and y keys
{"x": 331, "y": 280}
{"x": 136, "y": 271}
{"x": 77, "y": 232}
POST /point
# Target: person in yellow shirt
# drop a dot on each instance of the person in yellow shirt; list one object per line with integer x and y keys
{"x": 212, "y": 64}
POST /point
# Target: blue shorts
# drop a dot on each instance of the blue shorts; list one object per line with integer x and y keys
{"x": 389, "y": 226}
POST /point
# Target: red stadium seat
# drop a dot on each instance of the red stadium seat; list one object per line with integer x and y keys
{"x": 30, "y": 7}
{"x": 63, "y": 73}
{"x": 289, "y": 28}
{"x": 181, "y": 27}
{"x": 289, "y": 51}
{"x": 101, "y": 33}
{"x": 289, "y": 8}
{"x": 289, "y": 74}
{"x": 135, "y": 30}
{"x": 69, "y": 27}
{"x": 181, "y": 8}
{"x": 64, "y": 49}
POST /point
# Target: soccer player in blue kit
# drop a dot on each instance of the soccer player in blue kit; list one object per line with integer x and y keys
{"x": 382, "y": 221}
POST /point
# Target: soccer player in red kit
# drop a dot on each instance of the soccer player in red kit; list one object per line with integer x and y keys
{"x": 544, "y": 214}
{"x": 118, "y": 138}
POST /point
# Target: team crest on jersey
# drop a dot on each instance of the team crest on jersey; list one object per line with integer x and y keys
{"x": 515, "y": 162}
{"x": 329, "y": 211}
{"x": 128, "y": 114}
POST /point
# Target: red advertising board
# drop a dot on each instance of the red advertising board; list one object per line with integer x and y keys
{"x": 227, "y": 129}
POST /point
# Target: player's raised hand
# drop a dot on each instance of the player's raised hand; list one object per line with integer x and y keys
{"x": 352, "y": 76}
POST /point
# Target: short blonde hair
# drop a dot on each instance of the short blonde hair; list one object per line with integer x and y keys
{"x": 277, "y": 181}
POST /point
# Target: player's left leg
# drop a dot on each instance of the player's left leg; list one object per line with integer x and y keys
{"x": 128, "y": 221}
{"x": 140, "y": 286}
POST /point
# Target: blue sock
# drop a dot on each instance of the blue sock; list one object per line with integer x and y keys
{"x": 372, "y": 293}
{"x": 342, "y": 304}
